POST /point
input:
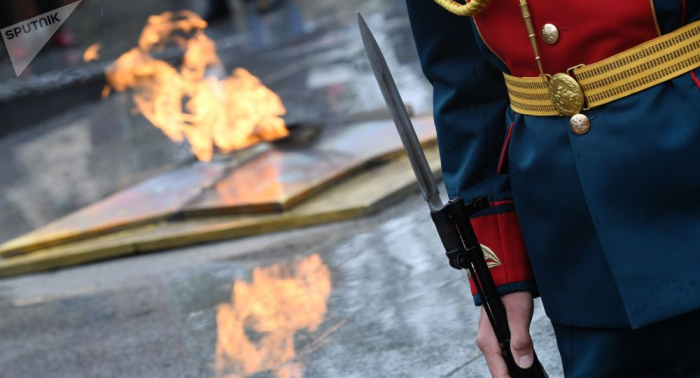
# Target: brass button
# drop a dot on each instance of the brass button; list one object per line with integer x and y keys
{"x": 550, "y": 34}
{"x": 580, "y": 124}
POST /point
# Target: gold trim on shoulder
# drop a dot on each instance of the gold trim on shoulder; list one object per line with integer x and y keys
{"x": 471, "y": 8}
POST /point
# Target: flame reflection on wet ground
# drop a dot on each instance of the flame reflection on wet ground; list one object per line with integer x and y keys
{"x": 256, "y": 331}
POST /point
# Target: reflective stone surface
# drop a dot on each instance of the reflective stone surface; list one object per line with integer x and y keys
{"x": 372, "y": 297}
{"x": 272, "y": 179}
{"x": 367, "y": 298}
{"x": 307, "y": 51}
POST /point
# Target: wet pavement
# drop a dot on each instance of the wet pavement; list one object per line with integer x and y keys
{"x": 309, "y": 52}
{"x": 372, "y": 297}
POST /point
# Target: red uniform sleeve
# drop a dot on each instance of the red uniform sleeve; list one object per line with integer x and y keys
{"x": 502, "y": 241}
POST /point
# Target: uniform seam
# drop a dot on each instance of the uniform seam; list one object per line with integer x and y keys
{"x": 478, "y": 31}
{"x": 504, "y": 151}
{"x": 500, "y": 242}
{"x": 595, "y": 225}
{"x": 656, "y": 20}
{"x": 683, "y": 11}
{"x": 489, "y": 137}
{"x": 501, "y": 203}
{"x": 695, "y": 78}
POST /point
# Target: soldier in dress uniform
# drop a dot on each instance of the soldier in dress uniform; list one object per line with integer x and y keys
{"x": 580, "y": 121}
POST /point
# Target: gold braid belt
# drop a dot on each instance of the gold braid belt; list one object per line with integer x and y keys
{"x": 653, "y": 62}
{"x": 469, "y": 9}
{"x": 587, "y": 86}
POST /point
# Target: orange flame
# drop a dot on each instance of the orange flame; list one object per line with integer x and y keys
{"x": 278, "y": 302}
{"x": 228, "y": 114}
{"x": 92, "y": 53}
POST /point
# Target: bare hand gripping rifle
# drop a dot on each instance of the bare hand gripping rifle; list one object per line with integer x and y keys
{"x": 452, "y": 219}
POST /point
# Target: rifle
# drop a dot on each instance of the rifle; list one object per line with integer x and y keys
{"x": 451, "y": 220}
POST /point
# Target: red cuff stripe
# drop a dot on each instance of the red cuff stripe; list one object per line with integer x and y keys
{"x": 501, "y": 233}
{"x": 501, "y": 203}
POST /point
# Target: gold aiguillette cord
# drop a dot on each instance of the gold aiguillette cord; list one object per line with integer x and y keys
{"x": 531, "y": 34}
{"x": 470, "y": 8}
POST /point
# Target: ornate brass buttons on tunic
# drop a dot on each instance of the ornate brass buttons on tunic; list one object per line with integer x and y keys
{"x": 580, "y": 124}
{"x": 550, "y": 34}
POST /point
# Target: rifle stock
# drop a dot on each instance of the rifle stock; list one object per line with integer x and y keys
{"x": 464, "y": 251}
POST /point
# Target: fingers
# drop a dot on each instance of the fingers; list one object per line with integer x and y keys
{"x": 488, "y": 344}
{"x": 519, "y": 307}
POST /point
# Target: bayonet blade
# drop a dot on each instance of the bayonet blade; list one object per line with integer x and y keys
{"x": 414, "y": 151}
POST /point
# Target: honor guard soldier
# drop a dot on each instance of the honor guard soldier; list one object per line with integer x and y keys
{"x": 580, "y": 121}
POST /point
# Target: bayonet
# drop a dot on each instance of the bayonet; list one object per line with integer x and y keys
{"x": 407, "y": 133}
{"x": 452, "y": 219}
